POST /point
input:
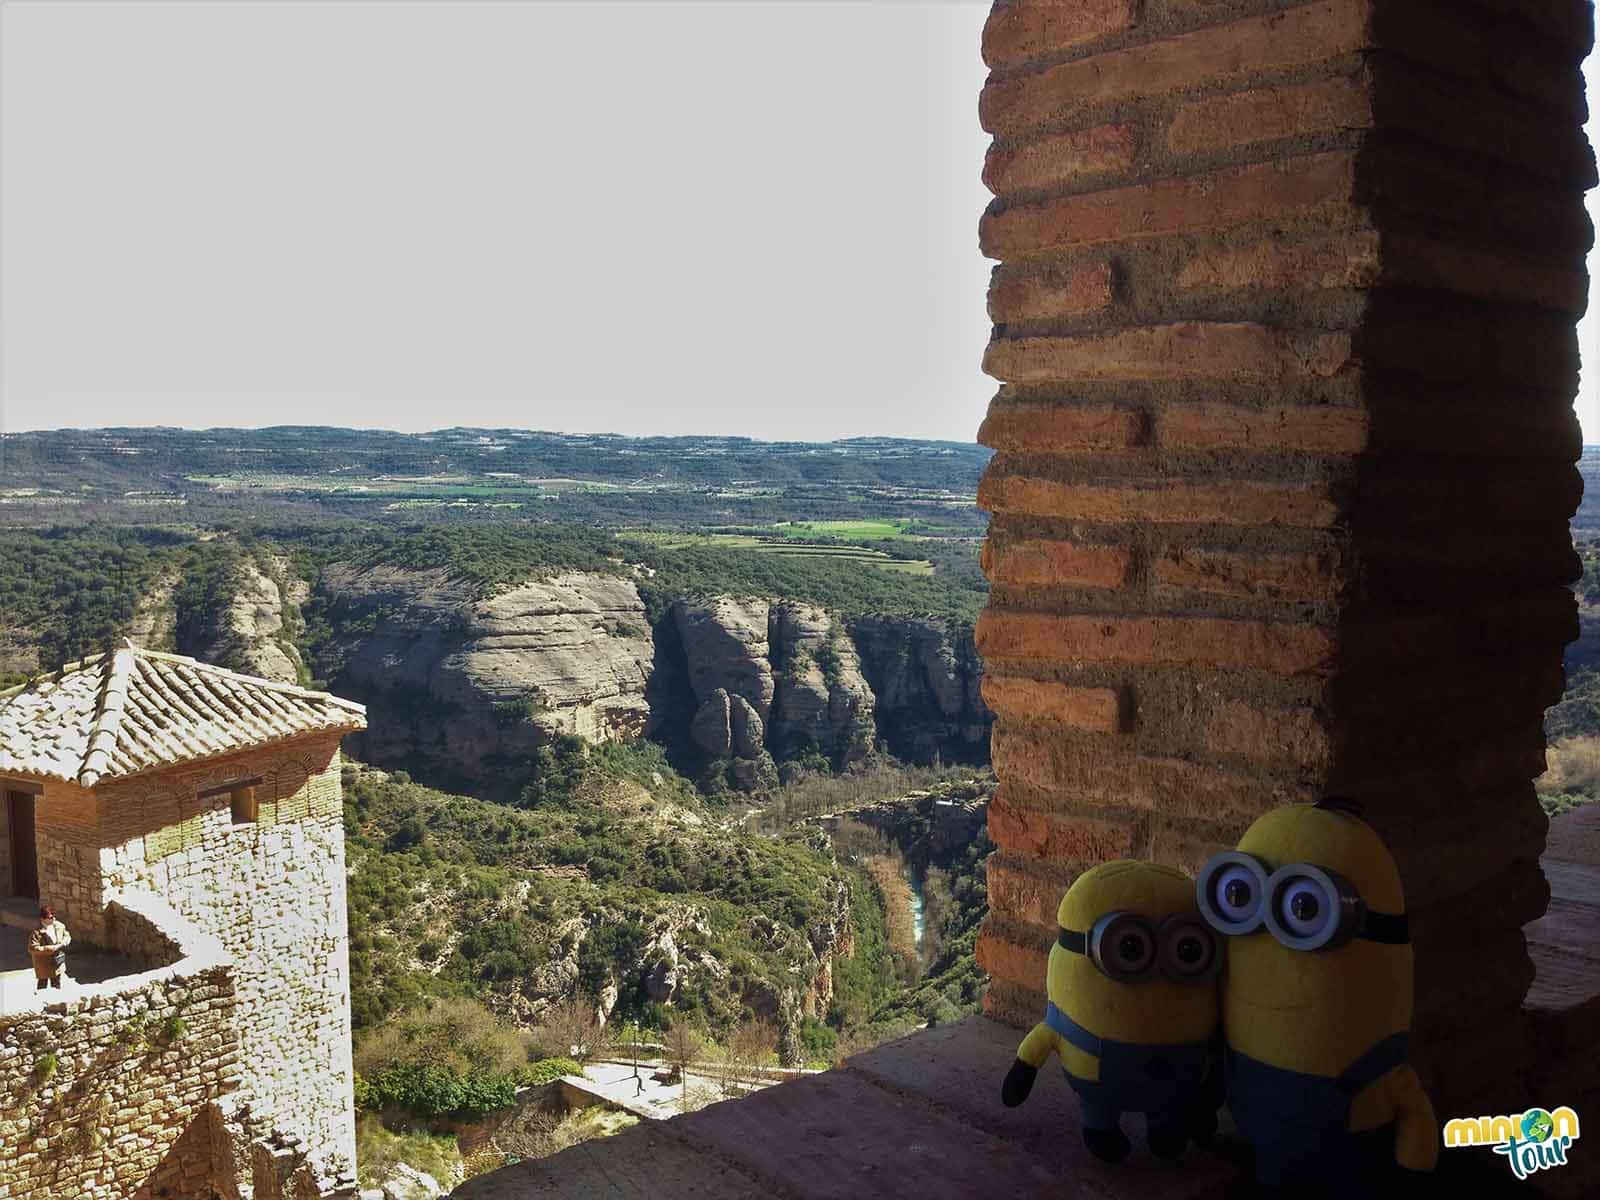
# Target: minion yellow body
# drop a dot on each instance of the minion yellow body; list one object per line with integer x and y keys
{"x": 1316, "y": 1069}
{"x": 1141, "y": 1043}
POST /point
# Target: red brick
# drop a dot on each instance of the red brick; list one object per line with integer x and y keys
{"x": 1249, "y": 576}
{"x": 1020, "y": 30}
{"x": 1047, "y": 835}
{"x": 1307, "y": 429}
{"x": 1267, "y": 114}
{"x": 1053, "y": 292}
{"x": 1062, "y": 428}
{"x": 1194, "y": 204}
{"x": 1004, "y": 958}
{"x": 1350, "y": 260}
{"x": 1098, "y": 710}
{"x": 1060, "y": 159}
{"x": 1177, "y": 844}
{"x": 1279, "y": 41}
{"x": 1111, "y": 774}
{"x": 1484, "y": 122}
{"x": 1426, "y": 263}
{"x": 1007, "y": 1004}
{"x": 1025, "y": 890}
{"x": 1282, "y": 648}
{"x": 1042, "y": 563}
{"x": 1161, "y": 501}
{"x": 1190, "y": 350}
{"x": 1273, "y": 734}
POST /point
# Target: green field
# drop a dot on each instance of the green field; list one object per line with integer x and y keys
{"x": 784, "y": 548}
{"x": 852, "y": 531}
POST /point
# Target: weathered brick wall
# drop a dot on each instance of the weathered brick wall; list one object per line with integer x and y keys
{"x": 273, "y": 892}
{"x": 1284, "y": 329}
{"x": 106, "y": 1094}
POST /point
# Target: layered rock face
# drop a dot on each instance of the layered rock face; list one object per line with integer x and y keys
{"x": 926, "y": 682}
{"x": 253, "y": 628}
{"x": 772, "y": 680}
{"x": 822, "y": 698}
{"x": 253, "y": 633}
{"x": 462, "y": 684}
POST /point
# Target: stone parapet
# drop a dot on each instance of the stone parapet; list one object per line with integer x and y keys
{"x": 107, "y": 1092}
{"x": 1284, "y": 455}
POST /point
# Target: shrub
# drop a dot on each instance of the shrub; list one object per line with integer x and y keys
{"x": 548, "y": 1070}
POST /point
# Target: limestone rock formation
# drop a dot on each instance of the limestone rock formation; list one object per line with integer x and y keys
{"x": 253, "y": 627}
{"x": 822, "y": 699}
{"x": 712, "y": 727}
{"x": 464, "y": 683}
{"x": 925, "y": 678}
{"x": 746, "y": 733}
{"x": 725, "y": 646}
{"x": 154, "y": 626}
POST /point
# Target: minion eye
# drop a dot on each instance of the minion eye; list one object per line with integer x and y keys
{"x": 1188, "y": 952}
{"x": 1231, "y": 891}
{"x": 1123, "y": 946}
{"x": 1236, "y": 893}
{"x": 1312, "y": 908}
{"x": 1133, "y": 948}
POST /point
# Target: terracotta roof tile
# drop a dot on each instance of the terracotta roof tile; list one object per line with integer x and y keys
{"x": 135, "y": 710}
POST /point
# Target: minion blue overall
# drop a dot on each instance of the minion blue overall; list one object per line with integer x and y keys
{"x": 1132, "y": 1010}
{"x": 1316, "y": 1001}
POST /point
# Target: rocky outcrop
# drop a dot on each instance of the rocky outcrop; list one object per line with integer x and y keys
{"x": 250, "y": 632}
{"x": 821, "y": 700}
{"x": 467, "y": 685}
{"x": 925, "y": 676}
{"x": 725, "y": 647}
{"x": 254, "y": 627}
{"x": 154, "y": 625}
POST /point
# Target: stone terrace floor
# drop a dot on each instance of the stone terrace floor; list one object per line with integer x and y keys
{"x": 84, "y": 965}
{"x": 921, "y": 1118}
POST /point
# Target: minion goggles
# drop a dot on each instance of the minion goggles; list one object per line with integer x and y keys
{"x": 1130, "y": 949}
{"x": 1304, "y": 906}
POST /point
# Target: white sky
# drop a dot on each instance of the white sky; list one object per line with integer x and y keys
{"x": 747, "y": 217}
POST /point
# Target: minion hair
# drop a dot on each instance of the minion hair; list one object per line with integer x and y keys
{"x": 1340, "y": 804}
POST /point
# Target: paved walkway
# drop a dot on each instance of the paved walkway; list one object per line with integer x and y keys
{"x": 650, "y": 1095}
{"x": 17, "y": 981}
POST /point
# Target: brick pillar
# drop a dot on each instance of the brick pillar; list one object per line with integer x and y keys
{"x": 1284, "y": 328}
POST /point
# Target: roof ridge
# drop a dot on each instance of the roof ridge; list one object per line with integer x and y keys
{"x": 257, "y": 681}
{"x": 113, "y": 698}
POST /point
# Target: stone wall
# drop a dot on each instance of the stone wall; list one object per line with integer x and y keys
{"x": 272, "y": 891}
{"x": 67, "y": 836}
{"x": 106, "y": 1095}
{"x": 1284, "y": 329}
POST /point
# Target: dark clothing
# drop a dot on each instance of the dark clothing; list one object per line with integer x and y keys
{"x": 1161, "y": 1081}
{"x": 1299, "y": 1124}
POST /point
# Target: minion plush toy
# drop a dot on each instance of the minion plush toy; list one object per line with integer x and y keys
{"x": 1316, "y": 1001}
{"x": 1133, "y": 1009}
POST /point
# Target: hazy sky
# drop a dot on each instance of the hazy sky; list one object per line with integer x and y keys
{"x": 741, "y": 217}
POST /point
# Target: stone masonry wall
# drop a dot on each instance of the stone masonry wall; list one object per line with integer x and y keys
{"x": 67, "y": 837}
{"x": 272, "y": 891}
{"x": 107, "y": 1095}
{"x": 1284, "y": 329}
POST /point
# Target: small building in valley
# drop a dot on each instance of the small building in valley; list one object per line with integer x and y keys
{"x": 186, "y": 823}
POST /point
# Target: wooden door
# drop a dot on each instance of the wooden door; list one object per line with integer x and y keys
{"x": 24, "y": 851}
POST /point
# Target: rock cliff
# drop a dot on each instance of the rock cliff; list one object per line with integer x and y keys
{"x": 925, "y": 677}
{"x": 461, "y": 685}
